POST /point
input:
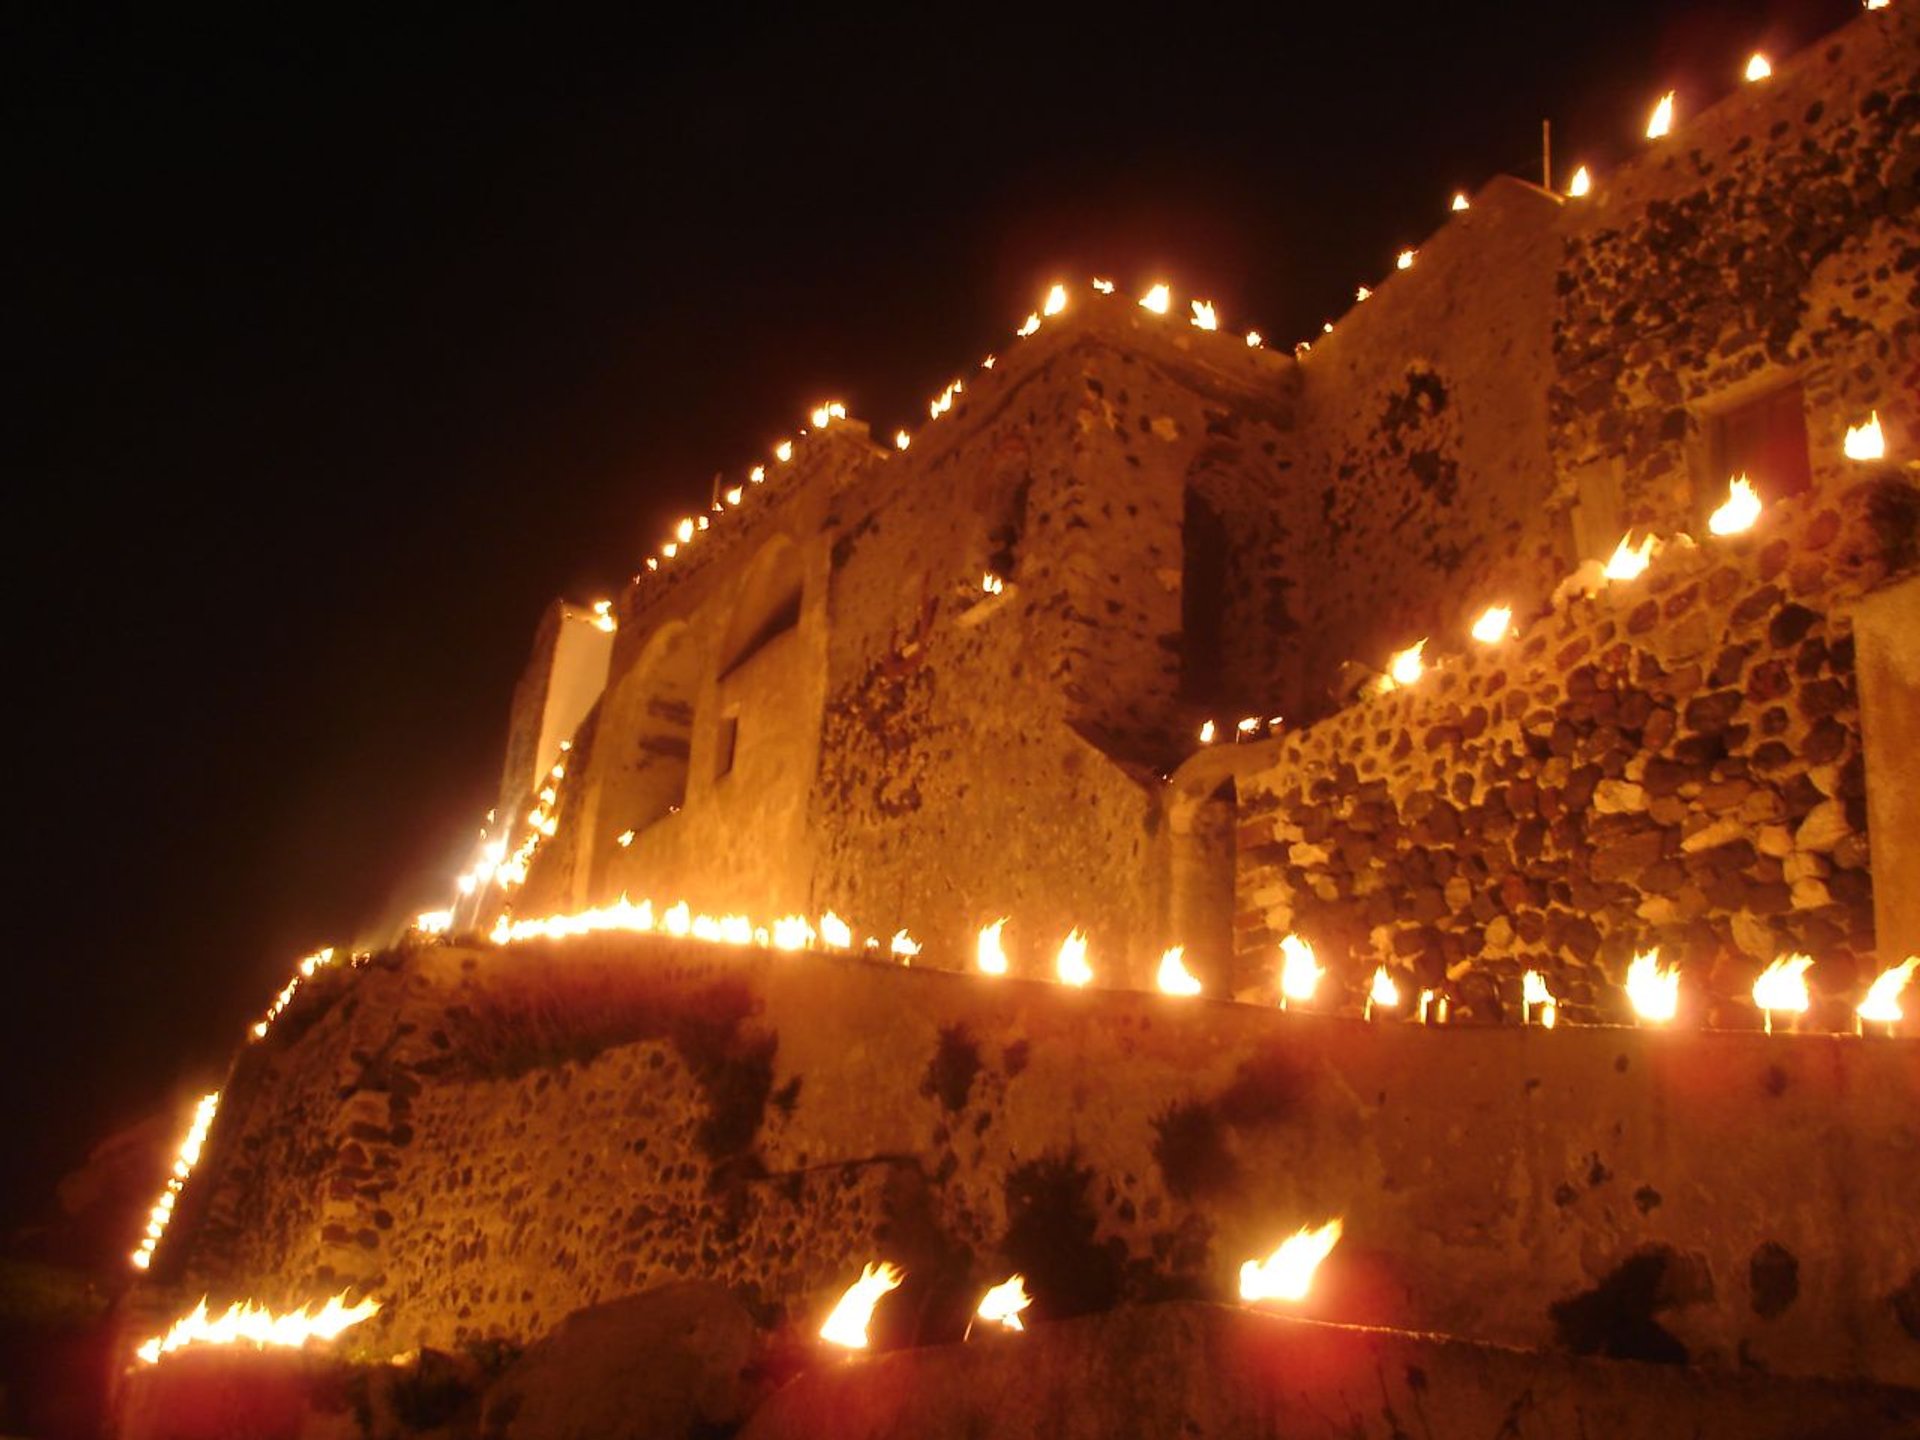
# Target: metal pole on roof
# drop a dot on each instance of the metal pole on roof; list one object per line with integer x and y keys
{"x": 1546, "y": 156}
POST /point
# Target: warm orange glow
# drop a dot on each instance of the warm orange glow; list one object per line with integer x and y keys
{"x": 758, "y": 475}
{"x": 1493, "y": 625}
{"x": 185, "y": 1156}
{"x": 1003, "y": 1304}
{"x": 1581, "y": 183}
{"x": 1363, "y": 293}
{"x": 433, "y": 922}
{"x": 988, "y": 954}
{"x": 836, "y": 932}
{"x": 1537, "y": 1000}
{"x": 903, "y": 945}
{"x": 1056, "y": 301}
{"x": 847, "y": 1325}
{"x": 603, "y": 616}
{"x": 1758, "y": 67}
{"x": 255, "y": 1325}
{"x": 792, "y": 932}
{"x": 1254, "y": 340}
{"x": 1865, "y": 442}
{"x": 1029, "y": 325}
{"x": 1300, "y": 971}
{"x": 1383, "y": 994}
{"x": 1653, "y": 989}
{"x": 1741, "y": 509}
{"x": 992, "y": 584}
{"x": 1407, "y": 666}
{"x": 1628, "y": 563}
{"x": 1660, "y": 123}
{"x": 683, "y": 532}
{"x": 944, "y": 401}
{"x": 1287, "y": 1274}
{"x": 1207, "y": 732}
{"x": 825, "y": 414}
{"x": 1071, "y": 963}
{"x": 319, "y": 960}
{"x": 1105, "y": 287}
{"x": 1783, "y": 986}
{"x": 901, "y": 440}
{"x": 1174, "y": 978}
{"x": 783, "y": 452}
{"x": 1157, "y": 299}
{"x": 1404, "y": 260}
{"x": 623, "y": 839}
{"x": 1882, "y": 1005}
{"x": 1204, "y": 317}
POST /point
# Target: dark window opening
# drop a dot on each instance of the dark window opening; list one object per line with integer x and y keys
{"x": 1203, "y": 599}
{"x": 1764, "y": 439}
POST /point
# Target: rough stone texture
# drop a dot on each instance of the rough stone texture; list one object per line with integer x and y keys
{"x": 1888, "y": 631}
{"x": 1210, "y": 1373}
{"x": 596, "y": 1119}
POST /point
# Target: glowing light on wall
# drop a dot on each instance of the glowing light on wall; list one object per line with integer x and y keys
{"x": 1660, "y": 123}
{"x": 1865, "y": 442}
{"x": 1158, "y": 299}
{"x": 1173, "y": 977}
{"x": 1581, "y": 184}
{"x": 1288, "y": 1273}
{"x": 1493, "y": 625}
{"x": 847, "y": 1325}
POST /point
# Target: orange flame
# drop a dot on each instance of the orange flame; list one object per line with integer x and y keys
{"x": 1384, "y": 994}
{"x": 1660, "y": 123}
{"x": 836, "y": 932}
{"x": 1174, "y": 978}
{"x": 185, "y": 1157}
{"x": 847, "y": 1325}
{"x": 1882, "y": 1005}
{"x": 1203, "y": 315}
{"x": 1758, "y": 68}
{"x": 1003, "y": 1304}
{"x": 1207, "y": 732}
{"x": 988, "y": 954}
{"x": 1105, "y": 287}
{"x": 1741, "y": 509}
{"x": 1865, "y": 442}
{"x": 1460, "y": 201}
{"x": 1406, "y": 667}
{"x": 1157, "y": 299}
{"x": 1056, "y": 301}
{"x": 901, "y": 440}
{"x": 1300, "y": 971}
{"x": 1029, "y": 325}
{"x": 1071, "y": 964}
{"x": 1254, "y": 340}
{"x": 1628, "y": 563}
{"x": 1287, "y": 1274}
{"x": 1581, "y": 183}
{"x": 1494, "y": 623}
{"x": 1404, "y": 260}
{"x": 245, "y": 1323}
{"x": 903, "y": 945}
{"x": 1783, "y": 986}
{"x": 1534, "y": 996}
{"x": 1653, "y": 989}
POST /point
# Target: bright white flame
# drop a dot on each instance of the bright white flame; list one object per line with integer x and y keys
{"x": 1029, "y": 325}
{"x": 1204, "y": 317}
{"x": 1003, "y": 1303}
{"x": 836, "y": 932}
{"x": 1207, "y": 732}
{"x": 901, "y": 440}
{"x": 185, "y": 1156}
{"x": 792, "y": 932}
{"x": 1287, "y": 1274}
{"x": 1533, "y": 989}
{"x": 1627, "y": 563}
{"x": 1865, "y": 442}
{"x": 1174, "y": 977}
{"x": 304, "y": 971}
{"x": 603, "y": 616}
{"x": 1406, "y": 667}
{"x": 1404, "y": 260}
{"x": 1758, "y": 67}
{"x": 1384, "y": 993}
{"x": 1362, "y": 293}
{"x": 1882, "y": 1004}
{"x": 1653, "y": 989}
{"x": 1247, "y": 726}
{"x": 678, "y": 921}
{"x": 1071, "y": 964}
{"x": 992, "y": 584}
{"x": 1460, "y": 201}
{"x": 903, "y": 944}
{"x": 1581, "y": 183}
{"x": 939, "y": 406}
{"x": 847, "y": 1325}
{"x": 1254, "y": 340}
{"x": 1494, "y": 623}
{"x": 623, "y": 839}
{"x": 1300, "y": 971}
{"x": 1157, "y": 299}
{"x": 1741, "y": 509}
{"x": 250, "y": 1324}
{"x": 988, "y": 954}
{"x": 683, "y": 532}
{"x": 1105, "y": 287}
{"x": 1783, "y": 986}
{"x": 734, "y": 494}
{"x": 1660, "y": 123}
{"x": 433, "y": 922}
{"x": 783, "y": 452}
{"x": 1056, "y": 301}
{"x": 758, "y": 475}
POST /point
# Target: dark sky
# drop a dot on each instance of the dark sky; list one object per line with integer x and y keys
{"x": 342, "y": 344}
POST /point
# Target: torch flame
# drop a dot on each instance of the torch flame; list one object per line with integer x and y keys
{"x": 783, "y": 452}
{"x": 1174, "y": 977}
{"x": 1653, "y": 989}
{"x": 185, "y": 1157}
{"x": 1300, "y": 972}
{"x": 1029, "y": 325}
{"x": 836, "y": 932}
{"x": 1758, "y": 67}
{"x": 1287, "y": 1274}
{"x": 1384, "y": 993}
{"x": 792, "y": 932}
{"x": 903, "y": 944}
{"x": 1741, "y": 509}
{"x": 1105, "y": 287}
{"x": 1660, "y": 123}
{"x": 901, "y": 440}
{"x": 1406, "y": 667}
{"x": 1071, "y": 964}
{"x": 683, "y": 532}
{"x": 1626, "y": 563}
{"x": 847, "y": 1325}
{"x": 734, "y": 494}
{"x": 1581, "y": 183}
{"x": 433, "y": 922}
{"x": 1254, "y": 340}
{"x": 1157, "y": 299}
{"x": 1404, "y": 260}
{"x": 603, "y": 616}
{"x": 247, "y": 1323}
{"x": 623, "y": 839}
{"x": 1460, "y": 201}
{"x": 1882, "y": 1004}
{"x": 1056, "y": 301}
{"x": 1783, "y": 986}
{"x": 1362, "y": 293}
{"x": 1003, "y": 1303}
{"x": 1207, "y": 732}
{"x": 1865, "y": 442}
{"x": 1204, "y": 317}
{"x": 988, "y": 955}
{"x": 758, "y": 475}
{"x": 1494, "y": 623}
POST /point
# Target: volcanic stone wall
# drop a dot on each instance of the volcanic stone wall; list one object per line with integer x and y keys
{"x": 486, "y": 1141}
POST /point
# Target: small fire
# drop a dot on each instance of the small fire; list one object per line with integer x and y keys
{"x": 944, "y": 402}
{"x": 792, "y": 932}
{"x": 1404, "y": 260}
{"x": 735, "y": 494}
{"x": 433, "y": 922}
{"x": 1460, "y": 201}
{"x": 185, "y": 1157}
{"x": 1105, "y": 287}
{"x": 603, "y": 616}
{"x": 1783, "y": 986}
{"x": 1003, "y": 1304}
{"x": 1741, "y": 509}
{"x": 1581, "y": 183}
{"x": 1157, "y": 299}
{"x": 1758, "y": 67}
{"x": 1627, "y": 563}
{"x": 783, "y": 452}
{"x": 836, "y": 932}
{"x": 1300, "y": 971}
{"x": 1660, "y": 123}
{"x": 1362, "y": 293}
{"x": 1882, "y": 1005}
{"x": 1287, "y": 1274}
{"x": 316, "y": 961}
{"x": 847, "y": 1325}
{"x": 1406, "y": 667}
{"x": 1254, "y": 340}
{"x": 678, "y": 921}
{"x": 1029, "y": 326}
{"x": 1534, "y": 996}
{"x": 1204, "y": 317}
{"x": 1494, "y": 623}
{"x": 1865, "y": 442}
{"x": 1174, "y": 977}
{"x": 1384, "y": 994}
{"x": 683, "y": 532}
{"x": 758, "y": 475}
{"x": 1653, "y": 989}
{"x": 250, "y": 1324}
{"x": 988, "y": 954}
{"x": 1056, "y": 301}
{"x": 1207, "y": 731}
{"x": 1071, "y": 964}
{"x": 903, "y": 944}
{"x": 901, "y": 440}
{"x": 623, "y": 839}
{"x": 992, "y": 584}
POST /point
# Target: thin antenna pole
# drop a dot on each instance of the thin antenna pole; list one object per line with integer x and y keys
{"x": 1546, "y": 155}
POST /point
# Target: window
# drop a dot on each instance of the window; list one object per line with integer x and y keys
{"x": 1765, "y": 439}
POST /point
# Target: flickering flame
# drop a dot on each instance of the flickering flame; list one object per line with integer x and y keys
{"x": 653, "y": 563}
{"x": 1653, "y": 989}
{"x": 603, "y": 616}
{"x": 433, "y": 922}
{"x": 991, "y": 583}
{"x": 1157, "y": 299}
{"x": 1056, "y": 301}
{"x": 1105, "y": 287}
{"x": 1627, "y": 563}
{"x": 1660, "y": 123}
{"x": 316, "y": 961}
{"x": 1300, "y": 972}
{"x": 1865, "y": 442}
{"x": 1029, "y": 325}
{"x": 1406, "y": 667}
{"x": 734, "y": 494}
{"x": 623, "y": 839}
{"x": 1204, "y": 317}
{"x": 670, "y": 549}
{"x": 988, "y": 955}
{"x": 1207, "y": 732}
{"x": 1882, "y": 1004}
{"x": 1071, "y": 964}
{"x": 1287, "y": 1274}
{"x": 1876, "y": 4}
{"x": 1494, "y": 623}
{"x": 1174, "y": 977}
{"x": 1581, "y": 183}
{"x": 678, "y": 921}
{"x": 792, "y": 932}
{"x": 1741, "y": 509}
{"x": 185, "y": 1156}
{"x": 1384, "y": 993}
{"x": 836, "y": 932}
{"x": 623, "y": 914}
{"x": 1363, "y": 293}
{"x": 783, "y": 452}
{"x": 1758, "y": 68}
{"x": 824, "y": 415}
{"x": 1783, "y": 986}
{"x": 1003, "y": 1304}
{"x": 939, "y": 406}
{"x": 1404, "y": 260}
{"x": 1460, "y": 201}
{"x": 987, "y": 364}
{"x": 1535, "y": 995}
{"x": 1254, "y": 341}
{"x": 901, "y": 440}
{"x": 903, "y": 944}
{"x": 758, "y": 474}
{"x": 847, "y": 1325}
{"x": 1247, "y": 726}
{"x": 683, "y": 532}
{"x": 245, "y": 1323}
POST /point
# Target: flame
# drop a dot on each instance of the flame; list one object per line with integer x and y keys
{"x": 1533, "y": 989}
{"x": 1384, "y": 993}
{"x": 758, "y": 474}
{"x": 1207, "y": 732}
{"x": 1249, "y": 725}
{"x": 1326, "y": 327}
{"x": 1071, "y": 964}
{"x": 1653, "y": 989}
{"x": 185, "y": 1156}
{"x": 792, "y": 932}
{"x": 653, "y": 563}
{"x": 683, "y": 532}
{"x": 1627, "y": 563}
{"x": 623, "y": 839}
{"x": 987, "y": 953}
{"x": 1105, "y": 287}
{"x": 603, "y": 616}
{"x": 1174, "y": 977}
{"x": 1660, "y": 123}
{"x": 250, "y": 1324}
{"x": 1003, "y": 1303}
{"x": 1204, "y": 317}
{"x": 1157, "y": 299}
{"x": 1460, "y": 201}
{"x": 938, "y": 407}
{"x": 670, "y": 549}
{"x": 987, "y": 364}
{"x": 903, "y": 944}
{"x": 433, "y": 922}
{"x": 991, "y": 583}
{"x": 1287, "y": 1274}
{"x": 847, "y": 1325}
{"x": 835, "y": 931}
{"x": 1406, "y": 667}
{"x": 1300, "y": 972}
{"x": 1783, "y": 986}
{"x": 1363, "y": 293}
{"x": 783, "y": 452}
{"x": 1581, "y": 183}
{"x": 1056, "y": 301}
{"x": 1404, "y": 260}
{"x": 734, "y": 494}
{"x": 1865, "y": 442}
{"x": 824, "y": 415}
{"x": 1758, "y": 67}
{"x": 1741, "y": 509}
{"x": 1254, "y": 340}
{"x": 316, "y": 961}
{"x": 901, "y": 440}
{"x": 1029, "y": 325}
{"x": 1494, "y": 623}
{"x": 1882, "y": 1004}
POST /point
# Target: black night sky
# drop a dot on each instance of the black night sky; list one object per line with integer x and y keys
{"x": 344, "y": 343}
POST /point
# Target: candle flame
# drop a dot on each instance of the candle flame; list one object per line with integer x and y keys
{"x": 1654, "y": 989}
{"x": 1741, "y": 509}
{"x": 1207, "y": 732}
{"x": 1157, "y": 299}
{"x": 1003, "y": 1304}
{"x": 1460, "y": 201}
{"x": 1056, "y": 301}
{"x": 1581, "y": 183}
{"x": 783, "y": 452}
{"x": 847, "y": 1325}
{"x": 1882, "y": 1004}
{"x": 901, "y": 440}
{"x": 1494, "y": 623}
{"x": 1287, "y": 1274}
{"x": 1783, "y": 986}
{"x": 1404, "y": 260}
{"x": 1174, "y": 978}
{"x": 1300, "y": 971}
{"x": 988, "y": 954}
{"x": 1865, "y": 442}
{"x": 1758, "y": 68}
{"x": 1204, "y": 317}
{"x": 1626, "y": 562}
{"x": 1406, "y": 667}
{"x": 1071, "y": 964}
{"x": 1660, "y": 123}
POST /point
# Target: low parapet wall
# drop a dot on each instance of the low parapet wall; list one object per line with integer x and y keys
{"x": 489, "y": 1140}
